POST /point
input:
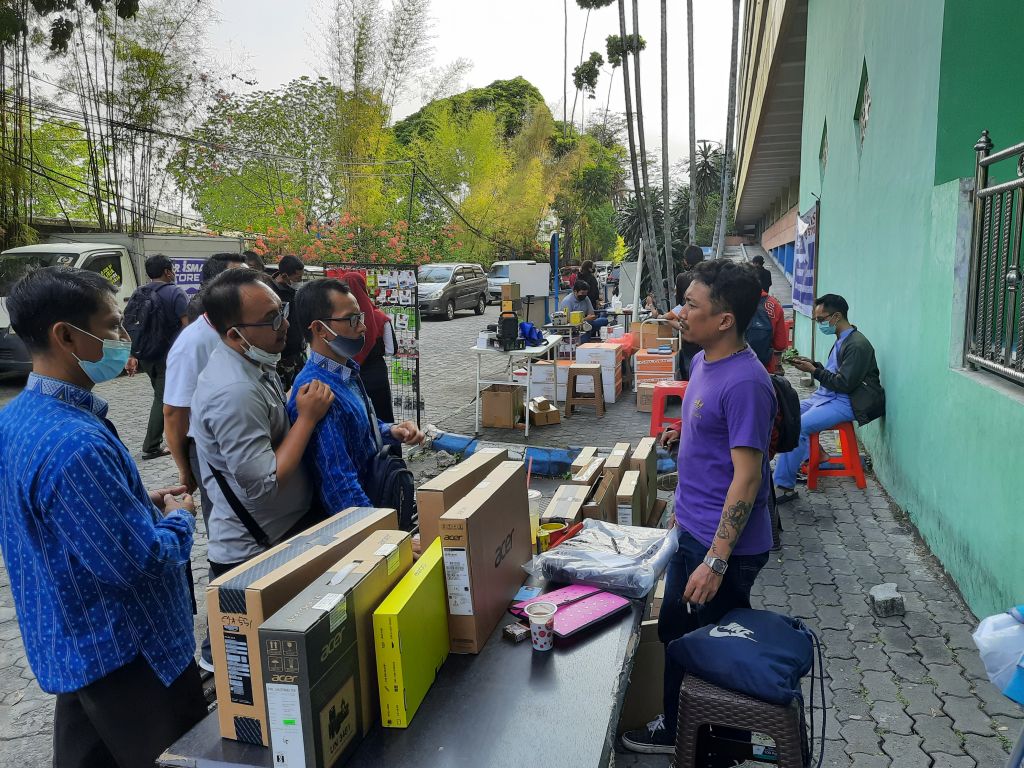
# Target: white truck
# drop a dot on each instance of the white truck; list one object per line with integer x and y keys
{"x": 119, "y": 258}
{"x": 534, "y": 278}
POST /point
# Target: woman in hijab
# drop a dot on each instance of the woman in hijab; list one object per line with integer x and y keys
{"x": 380, "y": 341}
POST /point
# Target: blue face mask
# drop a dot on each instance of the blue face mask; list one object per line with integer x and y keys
{"x": 115, "y": 356}
{"x": 344, "y": 346}
{"x": 827, "y": 328}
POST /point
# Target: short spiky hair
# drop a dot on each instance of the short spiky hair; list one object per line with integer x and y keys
{"x": 734, "y": 288}
{"x": 313, "y": 302}
{"x": 833, "y": 302}
{"x": 53, "y": 295}
{"x": 222, "y": 298}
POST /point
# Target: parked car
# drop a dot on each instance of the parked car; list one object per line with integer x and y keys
{"x": 447, "y": 288}
{"x": 534, "y": 279}
{"x": 613, "y": 276}
{"x": 111, "y": 261}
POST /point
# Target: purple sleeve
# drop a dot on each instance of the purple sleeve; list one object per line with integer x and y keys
{"x": 749, "y": 412}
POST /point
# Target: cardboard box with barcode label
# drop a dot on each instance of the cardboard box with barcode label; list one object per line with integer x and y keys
{"x": 438, "y": 495}
{"x": 318, "y": 655}
{"x": 645, "y": 461}
{"x": 629, "y": 500}
{"x": 485, "y": 540}
{"x": 242, "y": 599}
{"x": 645, "y": 396}
{"x": 566, "y": 504}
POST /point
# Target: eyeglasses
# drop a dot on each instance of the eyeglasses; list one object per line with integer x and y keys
{"x": 275, "y": 324}
{"x": 825, "y": 318}
{"x": 354, "y": 321}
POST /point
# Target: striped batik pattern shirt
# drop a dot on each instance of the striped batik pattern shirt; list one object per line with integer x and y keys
{"x": 97, "y": 572}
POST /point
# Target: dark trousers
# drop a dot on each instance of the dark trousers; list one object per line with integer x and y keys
{"x": 674, "y": 621}
{"x": 157, "y": 371}
{"x": 125, "y": 719}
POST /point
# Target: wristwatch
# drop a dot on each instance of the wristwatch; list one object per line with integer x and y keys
{"x": 716, "y": 564}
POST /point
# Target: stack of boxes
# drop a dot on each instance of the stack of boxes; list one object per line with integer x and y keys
{"x": 548, "y": 379}
{"x": 609, "y": 357}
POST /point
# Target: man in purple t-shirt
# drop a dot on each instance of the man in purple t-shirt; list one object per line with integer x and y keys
{"x": 721, "y": 503}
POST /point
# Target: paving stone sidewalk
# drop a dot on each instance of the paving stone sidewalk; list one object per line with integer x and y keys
{"x": 908, "y": 691}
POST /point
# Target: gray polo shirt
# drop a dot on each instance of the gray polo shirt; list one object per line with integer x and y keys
{"x": 238, "y": 419}
{"x": 571, "y": 304}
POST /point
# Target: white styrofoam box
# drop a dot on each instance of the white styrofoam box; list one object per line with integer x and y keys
{"x": 542, "y": 372}
{"x": 605, "y": 357}
{"x": 562, "y": 375}
{"x": 585, "y": 386}
{"x": 547, "y": 390}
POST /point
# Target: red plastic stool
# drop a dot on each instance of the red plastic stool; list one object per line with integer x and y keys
{"x": 662, "y": 391}
{"x": 850, "y": 458}
{"x": 789, "y": 329}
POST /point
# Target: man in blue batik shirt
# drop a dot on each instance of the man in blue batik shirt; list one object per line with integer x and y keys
{"x": 342, "y": 446}
{"x": 96, "y": 563}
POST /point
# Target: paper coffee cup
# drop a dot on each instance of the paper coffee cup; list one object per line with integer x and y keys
{"x": 542, "y": 625}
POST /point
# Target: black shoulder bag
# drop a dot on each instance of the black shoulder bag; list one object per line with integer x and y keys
{"x": 239, "y": 508}
{"x": 389, "y": 482}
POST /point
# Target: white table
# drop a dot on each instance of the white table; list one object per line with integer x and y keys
{"x": 527, "y": 355}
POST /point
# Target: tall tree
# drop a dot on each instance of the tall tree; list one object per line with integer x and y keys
{"x": 730, "y": 128}
{"x": 665, "y": 202}
{"x": 693, "y": 122}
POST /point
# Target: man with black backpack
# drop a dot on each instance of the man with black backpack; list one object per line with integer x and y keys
{"x": 154, "y": 315}
{"x": 347, "y": 454}
{"x": 767, "y": 333}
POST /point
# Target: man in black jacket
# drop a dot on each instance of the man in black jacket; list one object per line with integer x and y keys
{"x": 849, "y": 387}
{"x": 286, "y": 279}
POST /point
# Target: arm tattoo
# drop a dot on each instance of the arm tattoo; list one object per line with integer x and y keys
{"x": 734, "y": 519}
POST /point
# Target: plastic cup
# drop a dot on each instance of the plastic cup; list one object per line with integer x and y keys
{"x": 534, "y": 496}
{"x": 542, "y": 625}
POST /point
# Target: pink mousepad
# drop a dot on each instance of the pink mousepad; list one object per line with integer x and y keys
{"x": 559, "y": 597}
{"x": 571, "y": 618}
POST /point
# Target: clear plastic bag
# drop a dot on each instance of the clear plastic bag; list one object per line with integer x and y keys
{"x": 623, "y": 559}
{"x": 1000, "y": 641}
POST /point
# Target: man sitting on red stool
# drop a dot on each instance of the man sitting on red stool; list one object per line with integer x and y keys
{"x": 850, "y": 388}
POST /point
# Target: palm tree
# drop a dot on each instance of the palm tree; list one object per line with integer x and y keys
{"x": 730, "y": 128}
{"x": 693, "y": 122}
{"x": 665, "y": 202}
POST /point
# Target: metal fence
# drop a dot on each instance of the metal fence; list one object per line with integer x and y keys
{"x": 995, "y": 306}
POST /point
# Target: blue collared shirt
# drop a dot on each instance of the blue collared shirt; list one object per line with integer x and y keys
{"x": 340, "y": 450}
{"x": 97, "y": 572}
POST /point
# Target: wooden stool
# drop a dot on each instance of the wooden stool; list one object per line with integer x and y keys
{"x": 701, "y": 703}
{"x": 850, "y": 460}
{"x": 574, "y": 398}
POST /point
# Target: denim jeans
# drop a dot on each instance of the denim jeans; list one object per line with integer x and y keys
{"x": 595, "y": 329}
{"x": 674, "y": 620}
{"x": 816, "y": 413}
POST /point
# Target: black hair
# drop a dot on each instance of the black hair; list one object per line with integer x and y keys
{"x": 253, "y": 261}
{"x": 833, "y": 302}
{"x": 51, "y": 295}
{"x": 580, "y": 284}
{"x": 289, "y": 265}
{"x": 587, "y": 267}
{"x": 693, "y": 255}
{"x": 683, "y": 280}
{"x": 734, "y": 288}
{"x": 313, "y": 302}
{"x": 156, "y": 266}
{"x": 218, "y": 263}
{"x": 222, "y": 298}
{"x": 759, "y": 260}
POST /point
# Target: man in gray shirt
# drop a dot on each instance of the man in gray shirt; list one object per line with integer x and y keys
{"x": 579, "y": 301}
{"x": 249, "y": 456}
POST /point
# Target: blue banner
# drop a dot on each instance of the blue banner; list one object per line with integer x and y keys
{"x": 187, "y": 272}
{"x": 804, "y": 262}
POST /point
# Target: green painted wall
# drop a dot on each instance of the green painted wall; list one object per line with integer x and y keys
{"x": 889, "y": 244}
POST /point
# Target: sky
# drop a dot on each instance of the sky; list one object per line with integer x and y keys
{"x": 274, "y": 42}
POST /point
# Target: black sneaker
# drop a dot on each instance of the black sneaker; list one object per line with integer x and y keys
{"x": 652, "y": 740}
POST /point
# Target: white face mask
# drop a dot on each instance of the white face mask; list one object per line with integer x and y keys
{"x": 257, "y": 355}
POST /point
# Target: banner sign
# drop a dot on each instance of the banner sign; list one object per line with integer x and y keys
{"x": 187, "y": 272}
{"x": 805, "y": 261}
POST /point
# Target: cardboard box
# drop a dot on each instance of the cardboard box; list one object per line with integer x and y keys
{"x": 589, "y": 475}
{"x": 645, "y": 461}
{"x": 651, "y": 334}
{"x": 437, "y": 496}
{"x": 543, "y": 412}
{"x": 566, "y": 505}
{"x": 510, "y": 291}
{"x": 584, "y": 457}
{"x": 617, "y": 462}
{"x": 485, "y": 539}
{"x": 644, "y": 396}
{"x": 656, "y": 513}
{"x": 610, "y": 387}
{"x": 643, "y": 701}
{"x": 629, "y": 500}
{"x": 512, "y": 305}
{"x": 318, "y": 655}
{"x": 549, "y": 391}
{"x": 242, "y": 599}
{"x": 608, "y": 356}
{"x": 501, "y": 406}
{"x": 410, "y": 629}
{"x": 542, "y": 372}
{"x": 602, "y": 505}
{"x": 647, "y": 364}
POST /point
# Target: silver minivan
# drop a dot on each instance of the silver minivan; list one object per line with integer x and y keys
{"x": 446, "y": 288}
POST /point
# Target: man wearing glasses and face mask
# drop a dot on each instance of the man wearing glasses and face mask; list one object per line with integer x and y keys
{"x": 250, "y": 454}
{"x": 342, "y": 445}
